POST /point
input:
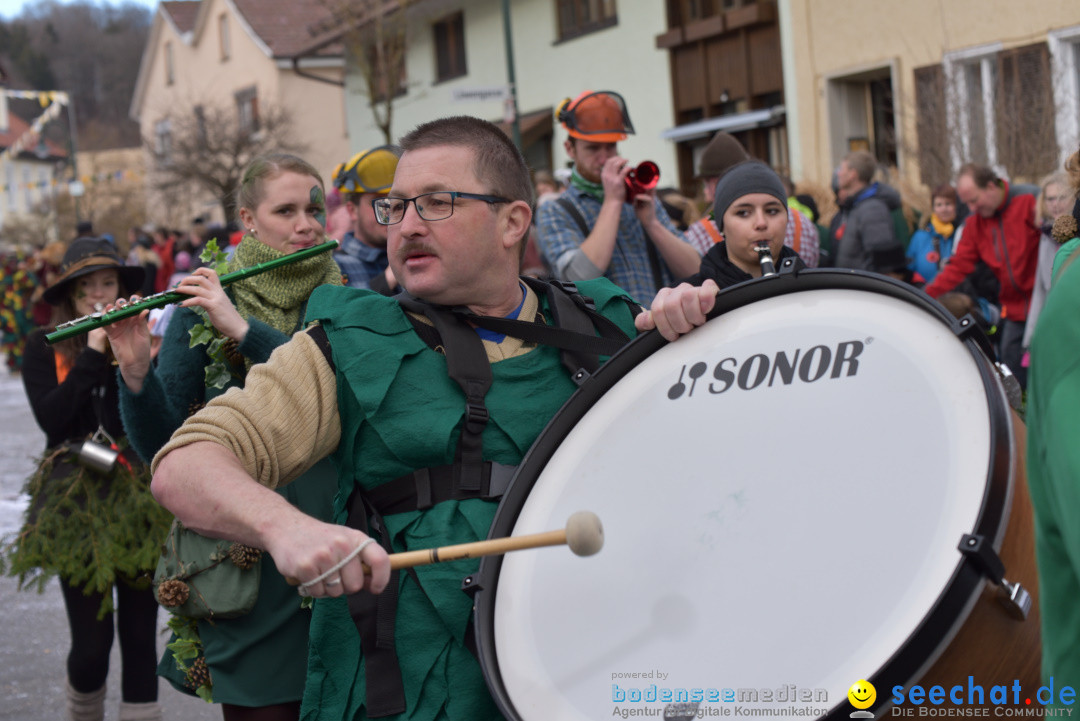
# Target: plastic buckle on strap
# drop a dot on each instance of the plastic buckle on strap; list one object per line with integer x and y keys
{"x": 565, "y": 285}
{"x": 584, "y": 302}
{"x": 476, "y": 416}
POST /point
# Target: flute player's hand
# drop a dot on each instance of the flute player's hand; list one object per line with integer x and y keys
{"x": 206, "y": 292}
{"x": 130, "y": 342}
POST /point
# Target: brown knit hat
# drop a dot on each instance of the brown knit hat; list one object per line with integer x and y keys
{"x": 722, "y": 152}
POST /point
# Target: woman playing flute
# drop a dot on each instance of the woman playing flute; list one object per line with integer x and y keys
{"x": 255, "y": 662}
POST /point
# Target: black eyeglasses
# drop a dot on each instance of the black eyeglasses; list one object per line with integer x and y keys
{"x": 429, "y": 206}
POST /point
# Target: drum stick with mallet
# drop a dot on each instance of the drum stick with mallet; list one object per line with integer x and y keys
{"x": 583, "y": 534}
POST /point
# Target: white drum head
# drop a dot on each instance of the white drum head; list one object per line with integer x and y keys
{"x": 757, "y": 536}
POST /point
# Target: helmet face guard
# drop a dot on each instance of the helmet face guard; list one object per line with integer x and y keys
{"x": 371, "y": 171}
{"x": 597, "y": 116}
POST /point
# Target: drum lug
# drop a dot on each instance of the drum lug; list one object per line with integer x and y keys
{"x": 966, "y": 329}
{"x": 981, "y": 553}
{"x": 787, "y": 267}
{"x": 471, "y": 584}
{"x": 1011, "y": 385}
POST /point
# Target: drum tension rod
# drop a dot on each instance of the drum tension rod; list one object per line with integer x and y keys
{"x": 982, "y": 555}
{"x": 967, "y": 329}
{"x": 1013, "y": 392}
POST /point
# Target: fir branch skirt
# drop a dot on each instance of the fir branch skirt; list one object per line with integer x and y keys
{"x": 90, "y": 529}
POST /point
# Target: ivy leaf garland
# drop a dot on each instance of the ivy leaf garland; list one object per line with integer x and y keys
{"x": 187, "y": 652}
{"x": 218, "y": 372}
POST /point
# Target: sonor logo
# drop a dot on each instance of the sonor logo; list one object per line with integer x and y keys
{"x": 759, "y": 370}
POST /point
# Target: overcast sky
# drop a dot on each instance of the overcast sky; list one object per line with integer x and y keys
{"x": 11, "y": 8}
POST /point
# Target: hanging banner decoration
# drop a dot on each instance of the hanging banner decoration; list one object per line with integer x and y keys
{"x": 51, "y": 100}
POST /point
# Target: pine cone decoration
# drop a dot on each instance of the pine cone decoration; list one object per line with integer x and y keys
{"x": 195, "y": 407}
{"x": 244, "y": 557}
{"x": 232, "y": 353}
{"x": 198, "y": 674}
{"x": 172, "y": 593}
{"x": 1064, "y": 229}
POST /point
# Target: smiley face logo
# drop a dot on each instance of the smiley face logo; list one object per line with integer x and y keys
{"x": 862, "y": 694}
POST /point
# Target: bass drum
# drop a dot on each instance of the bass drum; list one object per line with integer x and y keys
{"x": 783, "y": 493}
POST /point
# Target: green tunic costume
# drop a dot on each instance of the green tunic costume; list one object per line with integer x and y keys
{"x": 258, "y": 659}
{"x": 401, "y": 412}
{"x": 1054, "y": 471}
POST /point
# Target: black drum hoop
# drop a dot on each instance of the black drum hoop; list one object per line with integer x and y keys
{"x": 926, "y": 642}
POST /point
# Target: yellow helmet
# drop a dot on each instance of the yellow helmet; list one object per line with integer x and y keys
{"x": 370, "y": 171}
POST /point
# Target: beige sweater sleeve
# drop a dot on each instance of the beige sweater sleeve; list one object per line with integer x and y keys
{"x": 283, "y": 421}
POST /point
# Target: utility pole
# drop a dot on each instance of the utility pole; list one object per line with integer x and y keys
{"x": 72, "y": 150}
{"x": 515, "y": 125}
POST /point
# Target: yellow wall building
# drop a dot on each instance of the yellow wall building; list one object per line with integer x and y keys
{"x": 929, "y": 84}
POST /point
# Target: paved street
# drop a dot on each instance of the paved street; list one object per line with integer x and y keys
{"x": 33, "y": 628}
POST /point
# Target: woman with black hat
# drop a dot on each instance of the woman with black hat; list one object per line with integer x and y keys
{"x": 92, "y": 520}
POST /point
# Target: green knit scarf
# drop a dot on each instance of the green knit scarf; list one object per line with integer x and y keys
{"x": 277, "y": 297}
{"x": 587, "y": 187}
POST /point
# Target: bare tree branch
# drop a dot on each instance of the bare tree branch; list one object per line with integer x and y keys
{"x": 376, "y": 44}
{"x": 209, "y": 148}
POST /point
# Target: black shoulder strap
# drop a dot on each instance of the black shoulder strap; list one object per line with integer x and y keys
{"x": 319, "y": 336}
{"x": 374, "y": 617}
{"x": 468, "y": 365}
{"x": 575, "y": 322}
{"x": 569, "y": 207}
{"x": 654, "y": 256}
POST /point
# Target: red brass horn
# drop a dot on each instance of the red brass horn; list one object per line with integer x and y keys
{"x": 642, "y": 179}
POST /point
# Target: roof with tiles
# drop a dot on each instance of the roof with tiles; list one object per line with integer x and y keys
{"x": 183, "y": 13}
{"x": 287, "y": 26}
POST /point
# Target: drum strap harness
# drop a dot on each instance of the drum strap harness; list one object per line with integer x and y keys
{"x": 575, "y": 323}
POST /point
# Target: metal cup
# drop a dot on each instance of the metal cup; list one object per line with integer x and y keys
{"x": 97, "y": 457}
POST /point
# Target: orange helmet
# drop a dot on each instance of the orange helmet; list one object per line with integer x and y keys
{"x": 598, "y": 116}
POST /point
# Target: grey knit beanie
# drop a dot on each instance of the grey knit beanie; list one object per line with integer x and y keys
{"x": 744, "y": 179}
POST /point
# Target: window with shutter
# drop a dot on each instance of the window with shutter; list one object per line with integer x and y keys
{"x": 450, "y": 47}
{"x": 1064, "y": 46}
{"x": 580, "y": 17}
{"x": 969, "y": 98}
{"x": 1026, "y": 144}
{"x": 931, "y": 125}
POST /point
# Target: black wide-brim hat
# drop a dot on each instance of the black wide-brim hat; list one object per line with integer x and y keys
{"x": 86, "y": 255}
